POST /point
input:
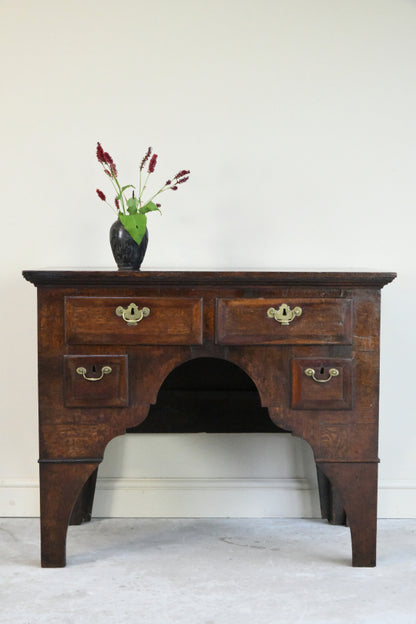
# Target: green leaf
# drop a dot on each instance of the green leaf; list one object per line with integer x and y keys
{"x": 135, "y": 224}
{"x": 149, "y": 207}
{"x": 132, "y": 205}
{"x": 123, "y": 188}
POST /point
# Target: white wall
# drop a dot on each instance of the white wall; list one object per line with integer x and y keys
{"x": 298, "y": 122}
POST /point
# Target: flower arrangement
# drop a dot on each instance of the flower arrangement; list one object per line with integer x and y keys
{"x": 132, "y": 211}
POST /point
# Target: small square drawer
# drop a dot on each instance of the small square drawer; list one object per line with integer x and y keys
{"x": 284, "y": 321}
{"x": 322, "y": 383}
{"x": 95, "y": 381}
{"x": 133, "y": 320}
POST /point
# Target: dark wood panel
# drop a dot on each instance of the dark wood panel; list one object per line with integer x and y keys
{"x": 245, "y": 321}
{"x": 94, "y": 320}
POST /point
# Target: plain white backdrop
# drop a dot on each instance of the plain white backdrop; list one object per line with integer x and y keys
{"x": 297, "y": 120}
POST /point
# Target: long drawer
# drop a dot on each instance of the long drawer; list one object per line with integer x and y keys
{"x": 284, "y": 321}
{"x": 133, "y": 320}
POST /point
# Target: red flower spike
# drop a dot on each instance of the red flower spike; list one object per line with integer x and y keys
{"x": 108, "y": 173}
{"x": 168, "y": 182}
{"x": 113, "y": 169}
{"x": 152, "y": 163}
{"x": 182, "y": 180}
{"x": 181, "y": 174}
{"x": 100, "y": 153}
{"x": 100, "y": 194}
{"x": 117, "y": 203}
{"x": 146, "y": 158}
{"x": 108, "y": 159}
{"x": 174, "y": 188}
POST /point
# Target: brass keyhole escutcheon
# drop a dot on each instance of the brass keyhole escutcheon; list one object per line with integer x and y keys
{"x": 284, "y": 315}
{"x": 105, "y": 370}
{"x": 132, "y": 314}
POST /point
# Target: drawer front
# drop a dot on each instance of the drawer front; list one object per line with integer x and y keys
{"x": 133, "y": 320}
{"x": 322, "y": 384}
{"x": 315, "y": 321}
{"x": 95, "y": 381}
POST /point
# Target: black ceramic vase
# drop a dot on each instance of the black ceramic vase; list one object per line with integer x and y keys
{"x": 127, "y": 253}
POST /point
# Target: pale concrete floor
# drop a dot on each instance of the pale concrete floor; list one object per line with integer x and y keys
{"x": 207, "y": 571}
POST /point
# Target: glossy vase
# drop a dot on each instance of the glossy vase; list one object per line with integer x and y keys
{"x": 127, "y": 253}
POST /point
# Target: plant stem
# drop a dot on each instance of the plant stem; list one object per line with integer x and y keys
{"x": 121, "y": 194}
{"x": 112, "y": 207}
{"x": 140, "y": 187}
{"x": 118, "y": 190}
{"x": 141, "y": 190}
{"x": 158, "y": 193}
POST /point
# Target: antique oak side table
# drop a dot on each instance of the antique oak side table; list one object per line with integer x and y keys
{"x": 309, "y": 341}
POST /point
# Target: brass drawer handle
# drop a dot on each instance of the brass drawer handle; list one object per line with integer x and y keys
{"x": 284, "y": 315}
{"x": 105, "y": 370}
{"x": 132, "y": 315}
{"x": 333, "y": 372}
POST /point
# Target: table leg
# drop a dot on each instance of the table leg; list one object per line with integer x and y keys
{"x": 356, "y": 483}
{"x": 60, "y": 485}
{"x": 82, "y": 509}
{"x": 331, "y": 504}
